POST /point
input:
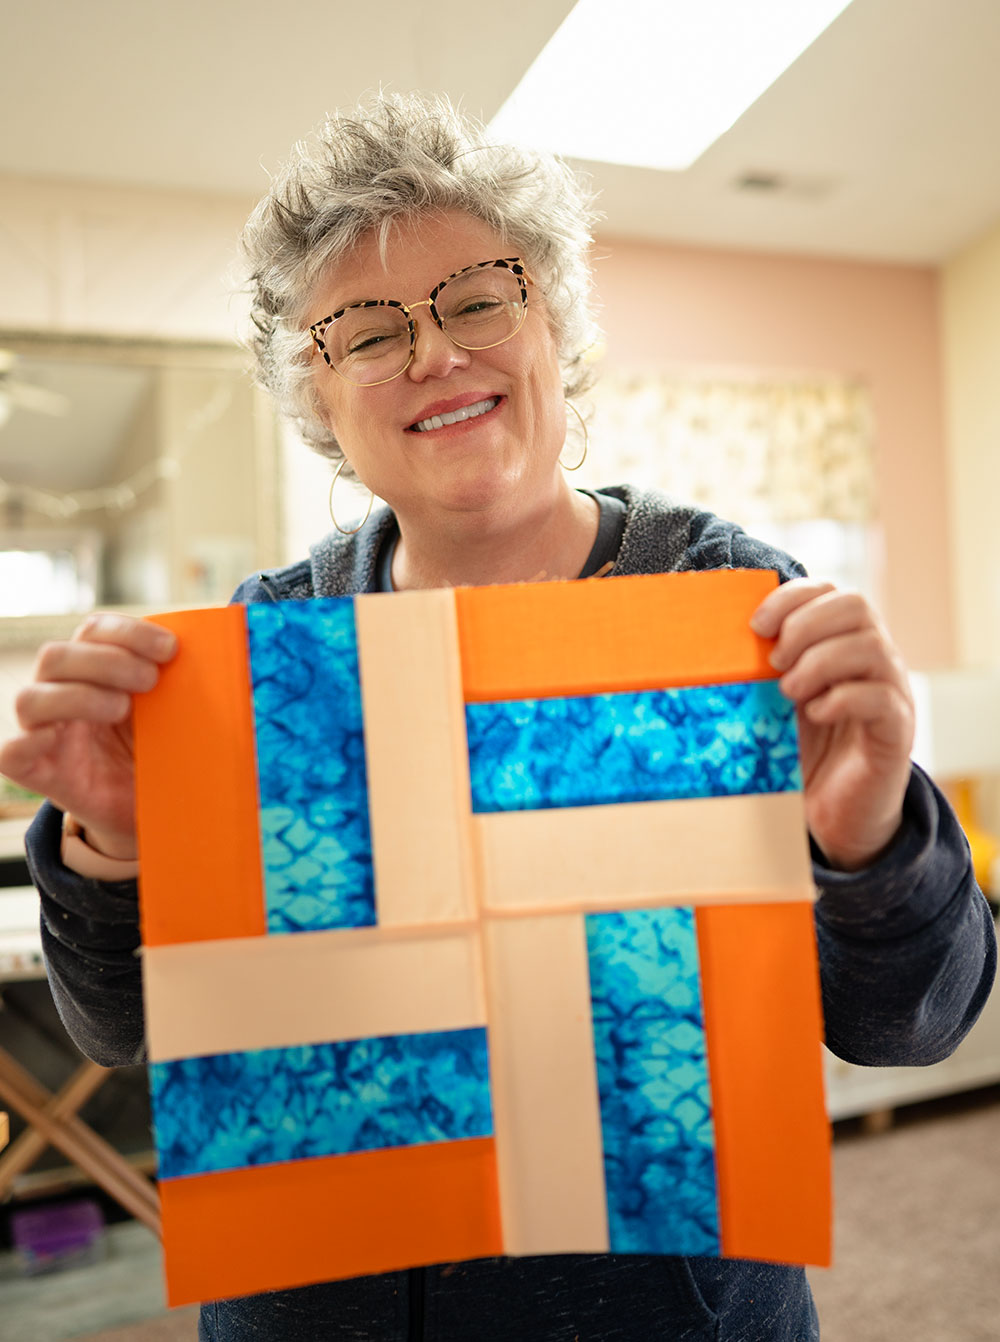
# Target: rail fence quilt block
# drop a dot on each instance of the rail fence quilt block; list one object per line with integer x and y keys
{"x": 478, "y": 922}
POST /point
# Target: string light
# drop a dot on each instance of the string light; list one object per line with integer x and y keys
{"x": 118, "y": 498}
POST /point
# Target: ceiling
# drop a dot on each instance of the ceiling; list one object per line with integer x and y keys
{"x": 881, "y": 142}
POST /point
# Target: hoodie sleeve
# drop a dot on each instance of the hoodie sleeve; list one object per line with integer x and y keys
{"x": 90, "y": 938}
{"x": 907, "y": 946}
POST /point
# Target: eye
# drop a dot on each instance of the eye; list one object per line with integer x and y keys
{"x": 474, "y": 309}
{"x": 473, "y": 305}
{"x": 368, "y": 342}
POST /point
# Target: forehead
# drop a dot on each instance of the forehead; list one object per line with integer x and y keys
{"x": 419, "y": 253}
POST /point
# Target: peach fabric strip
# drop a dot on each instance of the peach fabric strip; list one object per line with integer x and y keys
{"x": 316, "y": 987}
{"x": 544, "y": 1082}
{"x": 719, "y": 849}
{"x": 417, "y": 761}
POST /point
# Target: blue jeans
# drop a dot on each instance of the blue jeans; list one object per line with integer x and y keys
{"x": 558, "y": 1299}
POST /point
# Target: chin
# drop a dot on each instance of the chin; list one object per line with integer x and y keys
{"x": 476, "y": 491}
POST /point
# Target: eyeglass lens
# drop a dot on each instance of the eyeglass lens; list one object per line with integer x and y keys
{"x": 478, "y": 309}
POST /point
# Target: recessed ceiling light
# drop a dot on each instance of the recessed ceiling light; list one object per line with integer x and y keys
{"x": 760, "y": 181}
{"x": 652, "y": 83}
{"x": 796, "y": 187}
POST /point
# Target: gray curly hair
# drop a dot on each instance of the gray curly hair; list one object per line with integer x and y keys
{"x": 394, "y": 157}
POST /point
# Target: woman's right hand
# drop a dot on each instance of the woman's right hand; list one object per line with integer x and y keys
{"x": 76, "y": 719}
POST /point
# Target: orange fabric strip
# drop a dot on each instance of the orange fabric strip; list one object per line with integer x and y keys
{"x": 278, "y": 1226}
{"x": 536, "y": 640}
{"x": 196, "y": 787}
{"x": 763, "y": 1022}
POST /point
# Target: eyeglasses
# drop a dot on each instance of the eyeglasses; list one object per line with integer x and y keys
{"x": 478, "y": 308}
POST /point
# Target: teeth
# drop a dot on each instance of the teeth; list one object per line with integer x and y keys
{"x": 456, "y": 416}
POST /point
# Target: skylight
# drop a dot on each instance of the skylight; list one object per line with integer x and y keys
{"x": 652, "y": 83}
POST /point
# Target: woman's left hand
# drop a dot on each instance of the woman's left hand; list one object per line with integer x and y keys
{"x": 855, "y": 714}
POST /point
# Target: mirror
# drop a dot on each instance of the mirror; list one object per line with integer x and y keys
{"x": 133, "y": 473}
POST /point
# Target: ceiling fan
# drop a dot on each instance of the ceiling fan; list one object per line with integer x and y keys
{"x": 16, "y": 394}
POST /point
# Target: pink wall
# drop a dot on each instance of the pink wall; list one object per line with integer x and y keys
{"x": 879, "y": 322}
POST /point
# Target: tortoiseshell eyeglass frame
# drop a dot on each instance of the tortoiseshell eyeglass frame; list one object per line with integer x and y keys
{"x": 512, "y": 263}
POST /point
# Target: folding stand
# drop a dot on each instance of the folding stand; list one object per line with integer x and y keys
{"x": 53, "y": 1120}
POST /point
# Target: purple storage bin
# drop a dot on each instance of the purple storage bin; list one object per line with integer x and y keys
{"x": 68, "y": 1234}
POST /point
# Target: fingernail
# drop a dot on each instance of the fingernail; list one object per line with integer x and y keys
{"x": 164, "y": 643}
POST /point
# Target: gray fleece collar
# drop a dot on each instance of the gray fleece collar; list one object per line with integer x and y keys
{"x": 656, "y": 539}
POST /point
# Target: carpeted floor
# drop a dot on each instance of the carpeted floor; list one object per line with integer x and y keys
{"x": 118, "y": 1292}
{"x": 917, "y": 1240}
{"x": 179, "y": 1326}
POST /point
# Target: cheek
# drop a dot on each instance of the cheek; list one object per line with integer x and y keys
{"x": 335, "y": 414}
{"x": 548, "y": 399}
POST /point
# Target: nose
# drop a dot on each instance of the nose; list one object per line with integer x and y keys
{"x": 435, "y": 354}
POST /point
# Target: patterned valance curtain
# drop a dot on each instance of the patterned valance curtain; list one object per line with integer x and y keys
{"x": 755, "y": 451}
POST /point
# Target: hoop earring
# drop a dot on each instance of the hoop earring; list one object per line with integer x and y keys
{"x": 586, "y": 439}
{"x": 347, "y": 531}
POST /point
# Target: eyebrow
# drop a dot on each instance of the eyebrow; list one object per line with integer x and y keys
{"x": 359, "y": 302}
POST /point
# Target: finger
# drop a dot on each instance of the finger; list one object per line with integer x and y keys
{"x": 105, "y": 665}
{"x": 142, "y": 637}
{"x": 862, "y": 655}
{"x": 99, "y": 664}
{"x": 41, "y": 704}
{"x": 880, "y": 707}
{"x": 20, "y": 756}
{"x": 777, "y": 605}
{"x": 824, "y": 617}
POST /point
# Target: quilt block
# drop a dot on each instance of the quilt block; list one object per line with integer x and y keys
{"x": 478, "y": 922}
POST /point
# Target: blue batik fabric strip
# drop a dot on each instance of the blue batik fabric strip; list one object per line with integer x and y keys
{"x": 652, "y": 1076}
{"x": 229, "y": 1111}
{"x": 652, "y": 745}
{"x": 312, "y": 780}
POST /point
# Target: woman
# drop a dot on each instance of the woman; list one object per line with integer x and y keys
{"x": 420, "y": 303}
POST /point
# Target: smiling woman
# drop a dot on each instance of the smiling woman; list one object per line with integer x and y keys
{"x": 477, "y": 496}
{"x": 404, "y": 229}
{"x": 421, "y": 310}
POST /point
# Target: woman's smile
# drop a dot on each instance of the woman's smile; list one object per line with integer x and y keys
{"x": 457, "y": 411}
